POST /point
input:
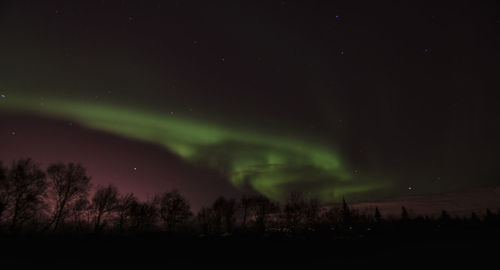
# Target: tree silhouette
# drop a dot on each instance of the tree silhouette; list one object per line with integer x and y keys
{"x": 206, "y": 219}
{"x": 174, "y": 209}
{"x": 23, "y": 197}
{"x": 332, "y": 217}
{"x": 312, "y": 212}
{"x": 404, "y": 214}
{"x": 81, "y": 213}
{"x": 378, "y": 216}
{"x": 3, "y": 189}
{"x": 3, "y": 171}
{"x": 229, "y": 210}
{"x": 294, "y": 210}
{"x": 474, "y": 218}
{"x": 104, "y": 201}
{"x": 218, "y": 213}
{"x": 69, "y": 183}
{"x": 246, "y": 204}
{"x": 143, "y": 215}
{"x": 264, "y": 207}
{"x": 346, "y": 214}
{"x": 224, "y": 210}
{"x": 123, "y": 210}
{"x": 24, "y": 190}
{"x": 489, "y": 218}
{"x": 445, "y": 217}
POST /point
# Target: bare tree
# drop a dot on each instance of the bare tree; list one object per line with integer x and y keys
{"x": 24, "y": 190}
{"x": 346, "y": 214}
{"x": 312, "y": 213}
{"x": 174, "y": 209}
{"x": 3, "y": 171}
{"x": 404, "y": 214}
{"x": 332, "y": 217}
{"x": 207, "y": 219}
{"x": 295, "y": 211}
{"x": 246, "y": 205}
{"x": 124, "y": 210}
{"x": 143, "y": 215}
{"x": 104, "y": 201}
{"x": 81, "y": 213}
{"x": 378, "y": 216}
{"x": 3, "y": 189}
{"x": 69, "y": 183}
{"x": 224, "y": 211}
{"x": 264, "y": 207}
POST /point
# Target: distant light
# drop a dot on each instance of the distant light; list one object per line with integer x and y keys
{"x": 410, "y": 188}
{"x": 135, "y": 169}
{"x": 337, "y": 16}
{"x": 341, "y": 52}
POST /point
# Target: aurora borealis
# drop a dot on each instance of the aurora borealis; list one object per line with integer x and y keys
{"x": 330, "y": 98}
{"x": 268, "y": 164}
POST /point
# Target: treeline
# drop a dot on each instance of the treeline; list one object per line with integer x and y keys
{"x": 58, "y": 200}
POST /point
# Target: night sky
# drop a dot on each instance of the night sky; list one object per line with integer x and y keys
{"x": 359, "y": 99}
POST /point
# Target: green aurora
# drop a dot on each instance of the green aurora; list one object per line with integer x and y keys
{"x": 269, "y": 164}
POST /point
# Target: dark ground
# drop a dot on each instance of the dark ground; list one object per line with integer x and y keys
{"x": 456, "y": 247}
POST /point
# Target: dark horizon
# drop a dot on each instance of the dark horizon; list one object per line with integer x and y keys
{"x": 64, "y": 192}
{"x": 52, "y": 211}
{"x": 459, "y": 204}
